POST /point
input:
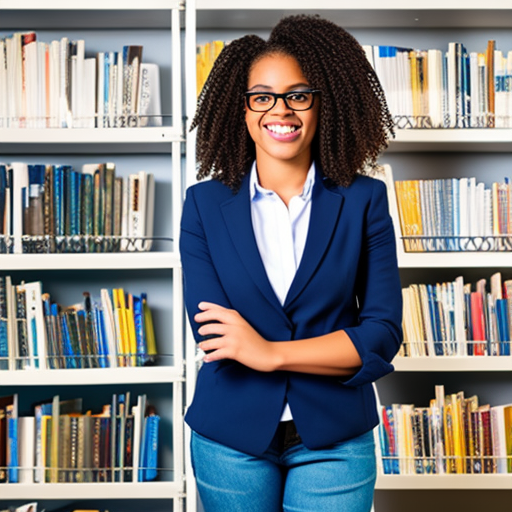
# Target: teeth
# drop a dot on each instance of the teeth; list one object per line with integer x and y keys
{"x": 278, "y": 128}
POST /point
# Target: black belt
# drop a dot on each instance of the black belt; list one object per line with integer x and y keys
{"x": 286, "y": 436}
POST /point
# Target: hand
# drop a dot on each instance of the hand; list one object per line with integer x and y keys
{"x": 236, "y": 339}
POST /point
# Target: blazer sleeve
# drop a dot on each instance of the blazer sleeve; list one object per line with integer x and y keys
{"x": 378, "y": 334}
{"x": 200, "y": 279}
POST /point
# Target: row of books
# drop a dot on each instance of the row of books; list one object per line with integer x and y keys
{"x": 114, "y": 329}
{"x": 445, "y": 213}
{"x": 56, "y": 85}
{"x": 448, "y": 88}
{"x": 61, "y": 443}
{"x": 205, "y": 57}
{"x": 454, "y": 435}
{"x": 458, "y": 318}
{"x": 42, "y": 205}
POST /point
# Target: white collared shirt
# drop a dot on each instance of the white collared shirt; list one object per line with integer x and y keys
{"x": 280, "y": 233}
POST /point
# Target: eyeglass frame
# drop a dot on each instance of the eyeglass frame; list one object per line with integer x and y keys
{"x": 283, "y": 96}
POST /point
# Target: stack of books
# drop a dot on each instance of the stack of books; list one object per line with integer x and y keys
{"x": 454, "y": 435}
{"x": 455, "y": 215}
{"x": 56, "y": 85}
{"x": 449, "y": 88}
{"x": 115, "y": 329}
{"x": 55, "y": 208}
{"x": 61, "y": 443}
{"x": 457, "y": 318}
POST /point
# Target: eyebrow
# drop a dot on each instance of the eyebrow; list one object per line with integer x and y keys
{"x": 259, "y": 87}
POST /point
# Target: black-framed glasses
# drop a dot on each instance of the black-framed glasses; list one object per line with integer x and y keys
{"x": 294, "y": 100}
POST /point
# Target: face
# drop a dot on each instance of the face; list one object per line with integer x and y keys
{"x": 281, "y": 133}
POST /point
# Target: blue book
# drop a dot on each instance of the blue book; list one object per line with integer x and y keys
{"x": 72, "y": 203}
{"x": 435, "y": 320}
{"x": 140, "y": 335}
{"x": 150, "y": 461}
{"x": 67, "y": 347}
{"x": 4, "y": 342}
{"x": 503, "y": 328}
{"x": 58, "y": 199}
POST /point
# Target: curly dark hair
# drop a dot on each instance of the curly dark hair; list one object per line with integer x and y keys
{"x": 354, "y": 120}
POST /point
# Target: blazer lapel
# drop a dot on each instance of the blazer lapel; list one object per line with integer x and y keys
{"x": 325, "y": 210}
{"x": 237, "y": 216}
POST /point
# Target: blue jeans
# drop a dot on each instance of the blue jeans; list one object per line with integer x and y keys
{"x": 340, "y": 478}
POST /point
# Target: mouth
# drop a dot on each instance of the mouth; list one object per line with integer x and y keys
{"x": 283, "y": 131}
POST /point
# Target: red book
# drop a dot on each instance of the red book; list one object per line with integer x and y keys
{"x": 478, "y": 323}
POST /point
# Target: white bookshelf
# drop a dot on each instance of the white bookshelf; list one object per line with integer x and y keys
{"x": 106, "y": 491}
{"x": 93, "y": 376}
{"x": 453, "y": 259}
{"x": 158, "y": 26}
{"x": 453, "y": 364}
{"x": 444, "y": 482}
{"x": 86, "y": 261}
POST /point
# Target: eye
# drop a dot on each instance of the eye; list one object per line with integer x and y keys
{"x": 298, "y": 97}
{"x": 261, "y": 98}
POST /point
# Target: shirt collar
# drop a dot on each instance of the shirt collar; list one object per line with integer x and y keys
{"x": 257, "y": 191}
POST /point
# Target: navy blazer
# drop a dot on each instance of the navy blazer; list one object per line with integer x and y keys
{"x": 347, "y": 279}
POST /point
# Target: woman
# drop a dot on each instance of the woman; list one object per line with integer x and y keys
{"x": 290, "y": 273}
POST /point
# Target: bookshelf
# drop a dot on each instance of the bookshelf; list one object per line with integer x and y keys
{"x": 413, "y": 154}
{"x": 107, "y": 25}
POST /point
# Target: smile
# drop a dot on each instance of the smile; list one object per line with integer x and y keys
{"x": 281, "y": 129}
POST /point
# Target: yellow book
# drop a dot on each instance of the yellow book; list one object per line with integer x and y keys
{"x": 458, "y": 433}
{"x": 120, "y": 320}
{"x": 148, "y": 324}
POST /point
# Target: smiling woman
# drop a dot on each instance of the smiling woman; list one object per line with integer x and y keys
{"x": 290, "y": 273}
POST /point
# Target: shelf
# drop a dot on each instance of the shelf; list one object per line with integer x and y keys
{"x": 88, "y": 261}
{"x": 448, "y": 482}
{"x": 455, "y": 260}
{"x": 90, "y": 140}
{"x": 94, "y": 14}
{"x": 453, "y": 364}
{"x": 92, "y": 376}
{"x": 147, "y": 490}
{"x": 473, "y": 140}
{"x": 225, "y": 14}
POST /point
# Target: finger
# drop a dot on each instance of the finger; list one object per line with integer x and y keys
{"x": 208, "y": 329}
{"x": 216, "y": 355}
{"x": 215, "y": 315}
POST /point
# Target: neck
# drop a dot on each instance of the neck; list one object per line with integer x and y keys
{"x": 285, "y": 178}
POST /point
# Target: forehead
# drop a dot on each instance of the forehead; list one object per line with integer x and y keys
{"x": 276, "y": 71}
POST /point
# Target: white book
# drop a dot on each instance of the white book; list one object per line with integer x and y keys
{"x": 26, "y": 447}
{"x": 509, "y": 92}
{"x": 472, "y": 207}
{"x": 499, "y": 437}
{"x": 460, "y": 331}
{"x": 474, "y": 83}
{"x": 150, "y": 108}
{"x": 452, "y": 77}
{"x": 404, "y": 84}
{"x": 14, "y": 79}
{"x": 42, "y": 101}
{"x": 368, "y": 50}
{"x": 65, "y": 113}
{"x": 89, "y": 94}
{"x": 3, "y": 86}
{"x": 53, "y": 82}
{"x": 36, "y": 327}
{"x": 110, "y": 330}
{"x": 435, "y": 87}
{"x": 30, "y": 81}
{"x": 500, "y": 94}
{"x": 100, "y": 93}
{"x": 79, "y": 86}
